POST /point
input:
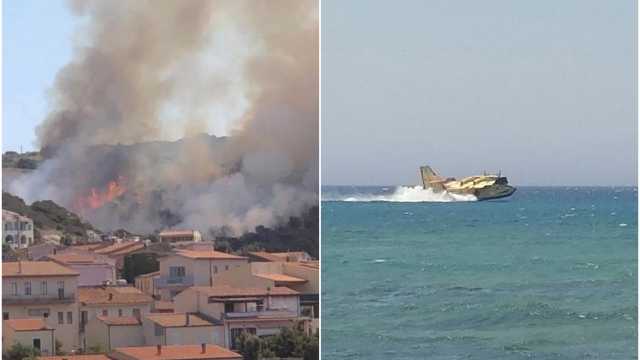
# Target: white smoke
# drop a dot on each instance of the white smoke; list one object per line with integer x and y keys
{"x": 412, "y": 194}
{"x": 150, "y": 71}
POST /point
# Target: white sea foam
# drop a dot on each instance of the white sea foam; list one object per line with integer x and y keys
{"x": 412, "y": 194}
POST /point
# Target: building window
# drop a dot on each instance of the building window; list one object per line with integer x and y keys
{"x": 27, "y": 288}
{"x": 158, "y": 330}
{"x": 120, "y": 312}
{"x": 136, "y": 313}
{"x": 105, "y": 312}
{"x": 36, "y": 343}
{"x": 23, "y": 239}
{"x": 215, "y": 269}
{"x": 176, "y": 271}
{"x": 43, "y": 288}
{"x": 61, "y": 289}
{"x": 226, "y": 267}
{"x": 5, "y": 316}
{"x": 14, "y": 288}
{"x": 228, "y": 307}
{"x": 60, "y": 317}
{"x": 69, "y": 317}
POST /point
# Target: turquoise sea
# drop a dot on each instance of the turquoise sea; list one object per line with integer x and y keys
{"x": 549, "y": 273}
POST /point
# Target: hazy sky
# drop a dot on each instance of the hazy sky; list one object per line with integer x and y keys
{"x": 37, "y": 41}
{"x": 542, "y": 90}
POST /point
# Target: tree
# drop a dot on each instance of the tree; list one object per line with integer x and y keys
{"x": 20, "y": 352}
{"x": 249, "y": 346}
{"x": 59, "y": 348}
{"x": 285, "y": 343}
{"x": 138, "y": 264}
{"x": 311, "y": 350}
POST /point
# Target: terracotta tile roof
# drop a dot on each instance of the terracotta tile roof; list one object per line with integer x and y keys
{"x": 87, "y": 247}
{"x": 178, "y": 320}
{"x": 222, "y": 291}
{"x": 26, "y": 324}
{"x": 128, "y": 250}
{"x": 119, "y": 320}
{"x": 209, "y": 254}
{"x": 76, "y": 357}
{"x": 120, "y": 248}
{"x": 282, "y": 278}
{"x": 112, "y": 295}
{"x": 35, "y": 268}
{"x": 178, "y": 352}
{"x": 73, "y": 258}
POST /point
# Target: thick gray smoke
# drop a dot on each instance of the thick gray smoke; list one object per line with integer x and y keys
{"x": 146, "y": 72}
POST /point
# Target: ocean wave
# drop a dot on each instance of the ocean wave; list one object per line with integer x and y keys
{"x": 409, "y": 194}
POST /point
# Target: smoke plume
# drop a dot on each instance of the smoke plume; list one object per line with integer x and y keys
{"x": 124, "y": 138}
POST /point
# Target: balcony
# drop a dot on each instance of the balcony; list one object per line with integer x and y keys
{"x": 168, "y": 281}
{"x": 38, "y": 300}
{"x": 276, "y": 314}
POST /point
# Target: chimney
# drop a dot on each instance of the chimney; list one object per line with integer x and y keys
{"x": 204, "y": 348}
{"x": 19, "y": 267}
{"x": 187, "y": 315}
{"x": 159, "y": 348}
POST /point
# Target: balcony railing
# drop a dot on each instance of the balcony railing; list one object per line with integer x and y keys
{"x": 167, "y": 281}
{"x": 260, "y": 314}
{"x": 38, "y": 300}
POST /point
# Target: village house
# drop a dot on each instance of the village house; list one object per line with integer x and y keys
{"x": 29, "y": 332}
{"x": 94, "y": 269}
{"x": 17, "y": 230}
{"x": 177, "y": 236}
{"x": 42, "y": 290}
{"x": 300, "y": 276}
{"x": 119, "y": 251}
{"x": 181, "y": 329}
{"x": 115, "y": 251}
{"x": 146, "y": 283}
{"x": 258, "y": 311}
{"x": 109, "y": 332}
{"x": 174, "y": 352}
{"x": 186, "y": 268}
{"x": 43, "y": 250}
{"x": 159, "y": 352}
{"x": 108, "y": 302}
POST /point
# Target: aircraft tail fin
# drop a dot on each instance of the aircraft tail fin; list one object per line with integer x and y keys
{"x": 430, "y": 179}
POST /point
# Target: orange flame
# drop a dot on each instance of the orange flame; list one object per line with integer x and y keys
{"x": 98, "y": 198}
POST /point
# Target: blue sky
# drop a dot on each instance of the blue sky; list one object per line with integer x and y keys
{"x": 542, "y": 90}
{"x": 37, "y": 42}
